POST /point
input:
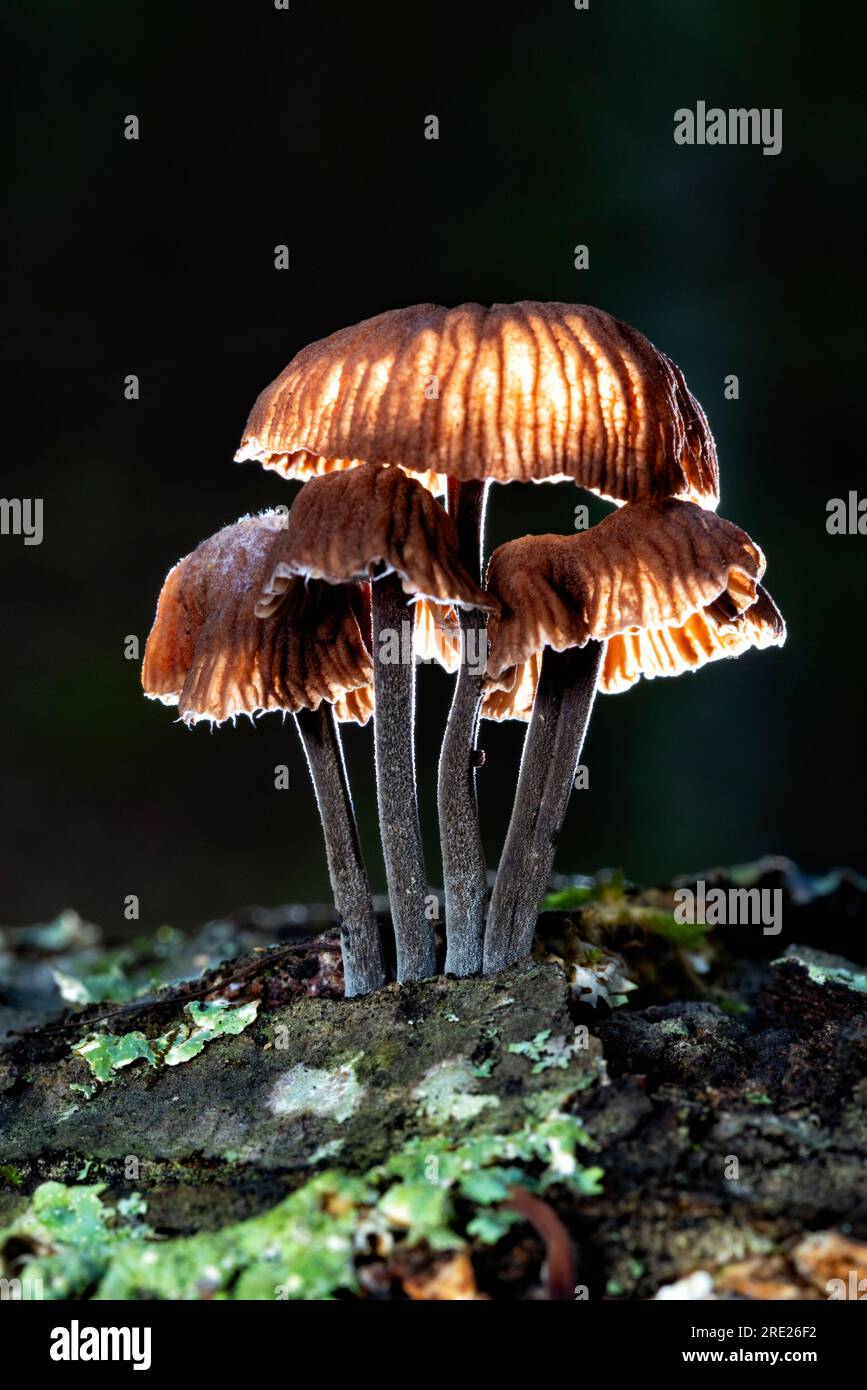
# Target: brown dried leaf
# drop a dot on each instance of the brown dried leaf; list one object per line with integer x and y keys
{"x": 452, "y": 1280}
{"x": 827, "y": 1256}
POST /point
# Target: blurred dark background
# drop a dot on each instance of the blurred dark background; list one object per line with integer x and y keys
{"x": 306, "y": 127}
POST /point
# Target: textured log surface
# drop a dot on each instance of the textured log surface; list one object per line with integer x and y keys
{"x": 757, "y": 1058}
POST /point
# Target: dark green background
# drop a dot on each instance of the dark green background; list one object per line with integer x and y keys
{"x": 261, "y": 127}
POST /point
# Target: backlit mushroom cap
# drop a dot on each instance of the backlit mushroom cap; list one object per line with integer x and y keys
{"x": 706, "y": 636}
{"x": 664, "y": 651}
{"x": 347, "y": 526}
{"x": 668, "y": 585}
{"x": 517, "y": 392}
{"x": 437, "y": 635}
{"x": 211, "y": 656}
{"x": 513, "y": 694}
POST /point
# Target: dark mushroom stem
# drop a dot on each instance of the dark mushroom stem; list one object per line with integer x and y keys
{"x": 363, "y": 968}
{"x": 464, "y": 870}
{"x": 552, "y": 748}
{"x": 394, "y": 727}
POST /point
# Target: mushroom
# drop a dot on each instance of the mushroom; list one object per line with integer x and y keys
{"x": 211, "y": 656}
{"x": 656, "y": 588}
{"x": 376, "y": 522}
{"x": 463, "y": 396}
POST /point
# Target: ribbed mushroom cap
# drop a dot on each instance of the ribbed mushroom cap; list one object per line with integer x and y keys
{"x": 663, "y": 651}
{"x": 651, "y": 565}
{"x": 706, "y": 636}
{"x": 517, "y": 392}
{"x": 211, "y": 656}
{"x": 347, "y": 526}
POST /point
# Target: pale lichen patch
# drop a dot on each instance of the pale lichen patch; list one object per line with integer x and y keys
{"x": 303, "y": 1090}
{"x": 448, "y": 1091}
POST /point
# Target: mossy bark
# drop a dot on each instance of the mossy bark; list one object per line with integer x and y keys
{"x": 728, "y": 1111}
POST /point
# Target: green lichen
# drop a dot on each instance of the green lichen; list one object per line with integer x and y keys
{"x": 301, "y": 1249}
{"x": 76, "y": 1235}
{"x": 105, "y": 981}
{"x": 545, "y": 1051}
{"x": 209, "y": 1021}
{"x": 758, "y": 1098}
{"x": 597, "y": 974}
{"x": 448, "y": 1091}
{"x": 484, "y": 1069}
{"x": 108, "y": 1053}
{"x": 825, "y": 974}
{"x": 68, "y": 930}
{"x": 441, "y": 1191}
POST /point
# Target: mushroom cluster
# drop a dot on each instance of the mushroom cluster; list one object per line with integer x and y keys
{"x": 397, "y": 426}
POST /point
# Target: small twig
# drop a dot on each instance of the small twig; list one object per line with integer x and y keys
{"x": 190, "y": 989}
{"x": 559, "y": 1250}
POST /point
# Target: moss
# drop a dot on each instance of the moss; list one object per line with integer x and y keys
{"x": 379, "y": 1059}
{"x": 565, "y": 899}
{"x": 253, "y": 1117}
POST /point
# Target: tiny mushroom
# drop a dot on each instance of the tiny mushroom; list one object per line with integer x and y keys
{"x": 375, "y": 522}
{"x": 209, "y": 654}
{"x": 656, "y": 588}
{"x": 463, "y": 396}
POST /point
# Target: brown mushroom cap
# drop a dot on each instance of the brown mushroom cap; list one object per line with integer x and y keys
{"x": 300, "y": 466}
{"x": 665, "y": 651}
{"x": 211, "y": 656}
{"x": 517, "y": 392}
{"x": 346, "y": 526}
{"x": 651, "y": 565}
{"x": 706, "y": 636}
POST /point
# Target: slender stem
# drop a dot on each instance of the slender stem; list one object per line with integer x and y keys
{"x": 467, "y": 503}
{"x": 393, "y": 722}
{"x": 363, "y": 968}
{"x": 465, "y": 877}
{"x": 561, "y": 713}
